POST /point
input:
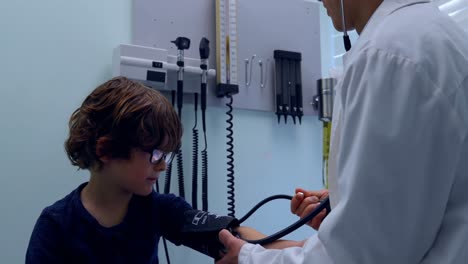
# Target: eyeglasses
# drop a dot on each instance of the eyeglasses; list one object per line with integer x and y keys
{"x": 157, "y": 156}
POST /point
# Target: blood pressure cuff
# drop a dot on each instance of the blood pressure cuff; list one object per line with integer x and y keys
{"x": 200, "y": 231}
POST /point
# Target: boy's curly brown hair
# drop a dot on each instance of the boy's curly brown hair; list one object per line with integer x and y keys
{"x": 127, "y": 115}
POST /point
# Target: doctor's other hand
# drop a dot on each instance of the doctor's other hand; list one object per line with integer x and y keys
{"x": 232, "y": 245}
{"x": 304, "y": 202}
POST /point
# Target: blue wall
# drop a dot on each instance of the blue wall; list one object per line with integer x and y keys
{"x": 52, "y": 54}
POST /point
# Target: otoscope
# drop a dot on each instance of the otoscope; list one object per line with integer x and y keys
{"x": 182, "y": 44}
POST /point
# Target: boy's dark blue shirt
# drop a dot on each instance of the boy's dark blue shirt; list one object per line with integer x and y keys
{"x": 66, "y": 232}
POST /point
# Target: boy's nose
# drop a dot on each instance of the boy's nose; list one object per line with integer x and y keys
{"x": 161, "y": 166}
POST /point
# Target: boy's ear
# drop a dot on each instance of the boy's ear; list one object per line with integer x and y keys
{"x": 103, "y": 147}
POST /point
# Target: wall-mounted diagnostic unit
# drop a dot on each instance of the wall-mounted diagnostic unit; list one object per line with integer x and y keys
{"x": 241, "y": 31}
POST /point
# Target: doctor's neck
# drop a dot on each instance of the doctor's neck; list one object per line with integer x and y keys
{"x": 360, "y": 13}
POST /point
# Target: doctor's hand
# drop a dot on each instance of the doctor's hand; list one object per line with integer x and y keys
{"x": 304, "y": 202}
{"x": 233, "y": 246}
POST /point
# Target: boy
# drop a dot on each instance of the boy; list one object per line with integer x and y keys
{"x": 125, "y": 134}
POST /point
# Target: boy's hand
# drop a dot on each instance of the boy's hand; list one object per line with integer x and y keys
{"x": 248, "y": 233}
{"x": 304, "y": 202}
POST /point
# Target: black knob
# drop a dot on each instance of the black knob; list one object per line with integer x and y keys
{"x": 182, "y": 43}
{"x": 204, "y": 48}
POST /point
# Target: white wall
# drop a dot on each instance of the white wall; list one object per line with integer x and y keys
{"x": 52, "y": 53}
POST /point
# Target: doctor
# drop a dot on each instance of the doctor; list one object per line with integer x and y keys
{"x": 399, "y": 149}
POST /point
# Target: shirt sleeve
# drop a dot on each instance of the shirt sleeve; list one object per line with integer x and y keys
{"x": 45, "y": 242}
{"x": 171, "y": 209}
{"x": 399, "y": 144}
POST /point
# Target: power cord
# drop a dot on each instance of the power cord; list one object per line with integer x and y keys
{"x": 167, "y": 184}
{"x": 230, "y": 157}
{"x": 195, "y": 158}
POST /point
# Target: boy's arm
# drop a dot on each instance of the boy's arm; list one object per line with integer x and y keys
{"x": 44, "y": 245}
{"x": 247, "y": 233}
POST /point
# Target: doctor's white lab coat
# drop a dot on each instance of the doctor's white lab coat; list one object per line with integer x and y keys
{"x": 399, "y": 150}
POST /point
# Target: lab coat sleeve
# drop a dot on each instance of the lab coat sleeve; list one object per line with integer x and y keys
{"x": 394, "y": 169}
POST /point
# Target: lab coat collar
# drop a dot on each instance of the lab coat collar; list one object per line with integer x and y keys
{"x": 386, "y": 8}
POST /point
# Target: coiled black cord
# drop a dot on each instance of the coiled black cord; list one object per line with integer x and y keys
{"x": 180, "y": 160}
{"x": 205, "y": 177}
{"x": 230, "y": 157}
{"x": 195, "y": 158}
{"x": 167, "y": 184}
{"x": 204, "y": 151}
{"x": 180, "y": 173}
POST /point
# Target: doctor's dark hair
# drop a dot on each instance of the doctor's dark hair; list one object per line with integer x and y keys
{"x": 123, "y": 115}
